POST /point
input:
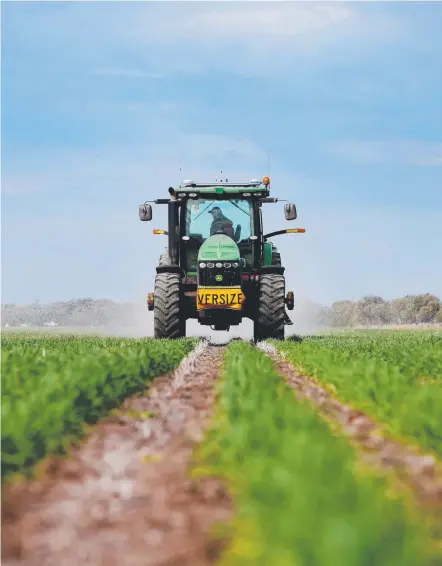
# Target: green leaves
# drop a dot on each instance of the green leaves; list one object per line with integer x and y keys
{"x": 396, "y": 376}
{"x": 300, "y": 496}
{"x": 47, "y": 399}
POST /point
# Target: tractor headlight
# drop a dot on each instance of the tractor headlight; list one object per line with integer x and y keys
{"x": 210, "y": 265}
{"x": 227, "y": 264}
{"x": 203, "y": 265}
{"x": 219, "y": 264}
{"x": 235, "y": 264}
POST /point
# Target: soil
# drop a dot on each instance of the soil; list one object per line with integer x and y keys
{"x": 124, "y": 496}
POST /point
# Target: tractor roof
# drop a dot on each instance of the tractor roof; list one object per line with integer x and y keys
{"x": 218, "y": 189}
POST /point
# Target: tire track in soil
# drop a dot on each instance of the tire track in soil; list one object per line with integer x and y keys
{"x": 420, "y": 472}
{"x": 111, "y": 502}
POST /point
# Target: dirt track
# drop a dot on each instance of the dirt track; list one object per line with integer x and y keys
{"x": 112, "y": 501}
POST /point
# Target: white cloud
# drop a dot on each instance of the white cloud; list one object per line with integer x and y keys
{"x": 391, "y": 152}
{"x": 254, "y": 22}
{"x": 257, "y": 39}
{"x": 252, "y": 37}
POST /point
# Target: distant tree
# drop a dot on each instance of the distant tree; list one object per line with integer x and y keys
{"x": 404, "y": 310}
{"x": 372, "y": 311}
{"x": 426, "y": 306}
{"x": 342, "y": 313}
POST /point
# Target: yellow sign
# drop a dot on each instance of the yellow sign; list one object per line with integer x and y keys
{"x": 219, "y": 297}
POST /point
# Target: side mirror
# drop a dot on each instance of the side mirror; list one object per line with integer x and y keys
{"x": 145, "y": 212}
{"x": 290, "y": 211}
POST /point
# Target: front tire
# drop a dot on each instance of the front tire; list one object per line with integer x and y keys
{"x": 270, "y": 322}
{"x": 164, "y": 259}
{"x": 167, "y": 320}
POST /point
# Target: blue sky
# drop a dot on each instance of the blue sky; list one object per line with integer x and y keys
{"x": 102, "y": 102}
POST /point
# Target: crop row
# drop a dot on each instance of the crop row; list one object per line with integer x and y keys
{"x": 53, "y": 386}
{"x": 301, "y": 495}
{"x": 394, "y": 376}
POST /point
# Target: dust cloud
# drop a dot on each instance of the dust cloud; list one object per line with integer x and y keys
{"x": 139, "y": 323}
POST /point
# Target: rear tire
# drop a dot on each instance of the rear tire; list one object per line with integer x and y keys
{"x": 276, "y": 257}
{"x": 167, "y": 320}
{"x": 270, "y": 322}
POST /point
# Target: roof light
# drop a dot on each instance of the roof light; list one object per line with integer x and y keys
{"x": 219, "y": 264}
{"x": 254, "y": 182}
{"x": 188, "y": 182}
{"x": 182, "y": 194}
{"x": 247, "y": 194}
{"x": 192, "y": 194}
{"x": 266, "y": 180}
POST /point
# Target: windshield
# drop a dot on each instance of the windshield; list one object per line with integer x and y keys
{"x": 231, "y": 217}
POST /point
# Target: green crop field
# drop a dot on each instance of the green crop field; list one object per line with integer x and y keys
{"x": 301, "y": 496}
{"x": 53, "y": 384}
{"x": 394, "y": 376}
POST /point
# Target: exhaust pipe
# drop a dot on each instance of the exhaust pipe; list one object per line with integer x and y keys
{"x": 173, "y": 227}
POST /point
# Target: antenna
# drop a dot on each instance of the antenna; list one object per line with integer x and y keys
{"x": 268, "y": 174}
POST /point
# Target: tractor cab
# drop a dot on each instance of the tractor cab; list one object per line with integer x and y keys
{"x": 219, "y": 266}
{"x": 204, "y": 218}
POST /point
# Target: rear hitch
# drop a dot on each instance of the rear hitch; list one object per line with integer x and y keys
{"x": 150, "y": 301}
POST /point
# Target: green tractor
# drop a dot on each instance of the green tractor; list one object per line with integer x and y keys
{"x": 219, "y": 266}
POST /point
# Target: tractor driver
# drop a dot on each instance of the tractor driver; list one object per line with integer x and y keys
{"x": 220, "y": 222}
